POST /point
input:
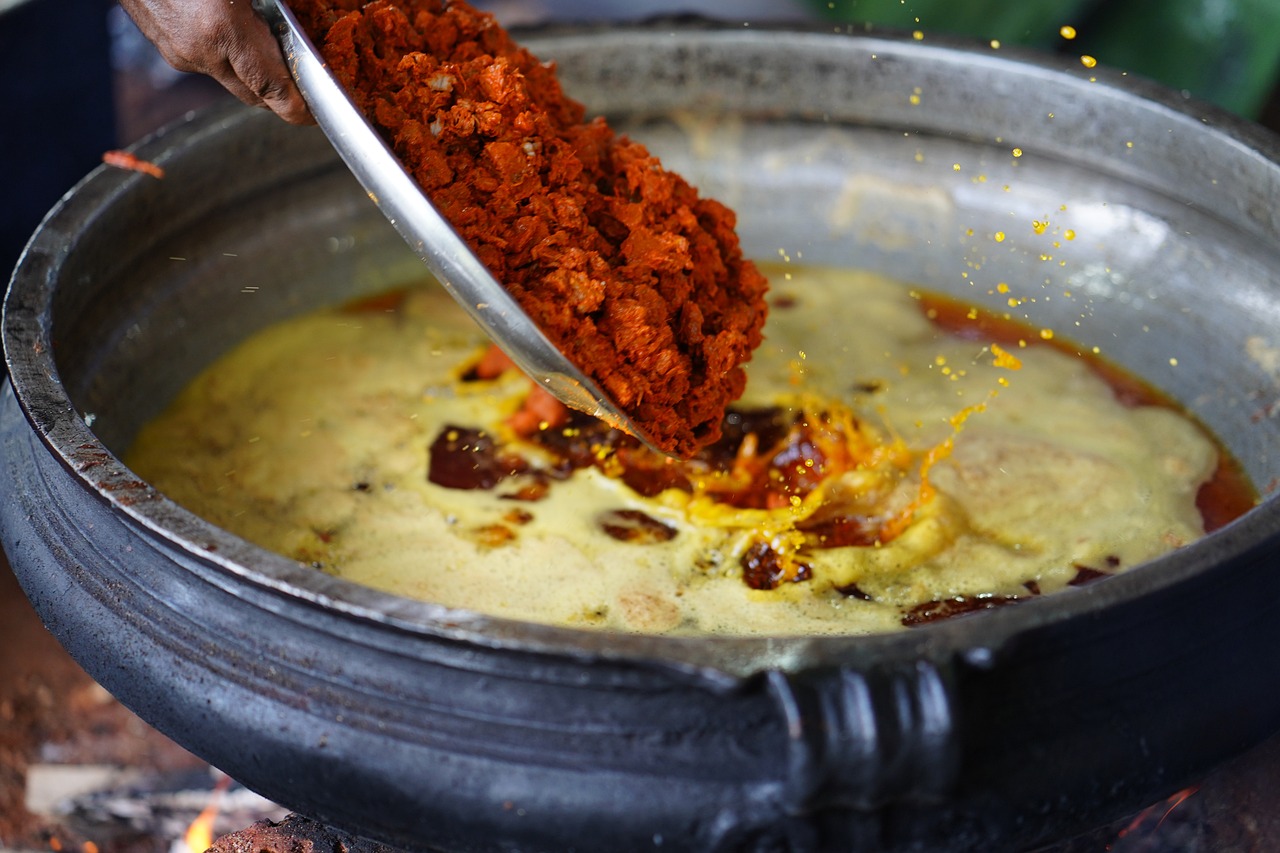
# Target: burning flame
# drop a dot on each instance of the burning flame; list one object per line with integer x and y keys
{"x": 199, "y": 835}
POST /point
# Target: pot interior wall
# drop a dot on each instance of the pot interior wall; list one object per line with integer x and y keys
{"x": 274, "y": 225}
{"x": 168, "y": 289}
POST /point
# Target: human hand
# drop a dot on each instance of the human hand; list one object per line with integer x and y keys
{"x": 227, "y": 40}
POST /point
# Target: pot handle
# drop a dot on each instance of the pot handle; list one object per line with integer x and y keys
{"x": 861, "y": 740}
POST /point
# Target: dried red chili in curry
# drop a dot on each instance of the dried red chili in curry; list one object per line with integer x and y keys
{"x": 638, "y": 280}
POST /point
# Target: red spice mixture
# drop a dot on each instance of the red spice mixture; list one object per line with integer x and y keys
{"x": 640, "y": 282}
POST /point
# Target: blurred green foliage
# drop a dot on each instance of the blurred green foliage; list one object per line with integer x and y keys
{"x": 1225, "y": 51}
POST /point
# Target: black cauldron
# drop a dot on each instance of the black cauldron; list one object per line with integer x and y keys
{"x": 431, "y": 728}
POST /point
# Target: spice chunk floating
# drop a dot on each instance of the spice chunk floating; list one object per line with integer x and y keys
{"x": 131, "y": 162}
{"x": 639, "y": 281}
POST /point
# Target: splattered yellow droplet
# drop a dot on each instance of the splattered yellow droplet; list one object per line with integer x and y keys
{"x": 918, "y": 35}
{"x": 1046, "y": 334}
{"x": 914, "y": 99}
{"x": 1039, "y": 226}
{"x": 995, "y": 44}
{"x": 1005, "y": 359}
{"x": 1088, "y": 61}
{"x": 955, "y": 167}
{"x": 1067, "y": 31}
{"x": 999, "y": 236}
{"x": 1173, "y": 362}
{"x": 1069, "y": 234}
{"x": 1002, "y": 287}
{"x": 1017, "y": 152}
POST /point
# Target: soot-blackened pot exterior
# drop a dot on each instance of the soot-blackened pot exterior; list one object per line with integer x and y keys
{"x": 429, "y": 728}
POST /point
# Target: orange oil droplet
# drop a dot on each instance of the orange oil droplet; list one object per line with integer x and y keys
{"x": 1004, "y": 358}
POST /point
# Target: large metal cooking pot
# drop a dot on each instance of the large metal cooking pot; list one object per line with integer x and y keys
{"x": 430, "y": 728}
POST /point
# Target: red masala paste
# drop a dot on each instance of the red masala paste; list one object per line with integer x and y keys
{"x": 640, "y": 282}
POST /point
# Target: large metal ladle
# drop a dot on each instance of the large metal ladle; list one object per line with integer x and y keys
{"x": 430, "y": 235}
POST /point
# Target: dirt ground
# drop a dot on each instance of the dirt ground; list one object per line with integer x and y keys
{"x": 52, "y": 712}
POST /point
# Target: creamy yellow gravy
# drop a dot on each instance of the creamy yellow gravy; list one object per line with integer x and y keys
{"x": 311, "y": 439}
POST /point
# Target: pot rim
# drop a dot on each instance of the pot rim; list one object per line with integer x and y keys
{"x": 717, "y": 660}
